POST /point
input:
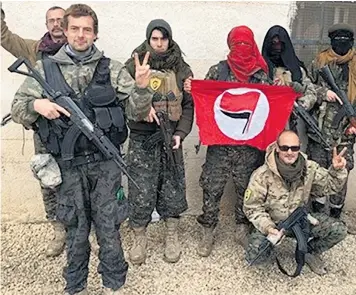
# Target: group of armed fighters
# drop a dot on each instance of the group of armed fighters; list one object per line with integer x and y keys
{"x": 81, "y": 106}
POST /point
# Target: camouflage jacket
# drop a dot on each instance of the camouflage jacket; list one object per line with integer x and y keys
{"x": 268, "y": 201}
{"x": 309, "y": 97}
{"x": 259, "y": 77}
{"x": 137, "y": 102}
{"x": 325, "y": 111}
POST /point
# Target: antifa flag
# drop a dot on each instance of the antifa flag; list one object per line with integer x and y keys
{"x": 230, "y": 113}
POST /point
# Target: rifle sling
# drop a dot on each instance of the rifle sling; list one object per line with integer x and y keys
{"x": 300, "y": 251}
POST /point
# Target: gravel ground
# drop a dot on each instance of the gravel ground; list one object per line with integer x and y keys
{"x": 26, "y": 270}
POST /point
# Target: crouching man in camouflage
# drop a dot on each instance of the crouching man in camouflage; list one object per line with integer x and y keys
{"x": 285, "y": 182}
{"x": 91, "y": 184}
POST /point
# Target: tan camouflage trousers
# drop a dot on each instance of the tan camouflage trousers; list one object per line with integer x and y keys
{"x": 160, "y": 187}
{"x": 325, "y": 235}
{"x": 221, "y": 163}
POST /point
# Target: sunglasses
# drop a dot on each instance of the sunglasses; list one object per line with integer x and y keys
{"x": 285, "y": 148}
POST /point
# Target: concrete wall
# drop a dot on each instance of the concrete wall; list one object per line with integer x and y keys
{"x": 200, "y": 28}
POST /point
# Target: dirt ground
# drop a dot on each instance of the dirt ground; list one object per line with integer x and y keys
{"x": 26, "y": 270}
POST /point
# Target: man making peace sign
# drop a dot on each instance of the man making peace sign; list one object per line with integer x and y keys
{"x": 161, "y": 186}
{"x": 286, "y": 182}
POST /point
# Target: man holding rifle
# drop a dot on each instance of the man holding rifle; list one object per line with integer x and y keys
{"x": 285, "y": 182}
{"x": 339, "y": 130}
{"x": 155, "y": 152}
{"x": 91, "y": 184}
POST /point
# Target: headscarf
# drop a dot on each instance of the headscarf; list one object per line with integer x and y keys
{"x": 282, "y": 57}
{"x": 244, "y": 58}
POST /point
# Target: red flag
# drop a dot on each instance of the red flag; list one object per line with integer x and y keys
{"x": 229, "y": 113}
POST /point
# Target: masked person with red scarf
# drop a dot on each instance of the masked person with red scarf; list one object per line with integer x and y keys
{"x": 244, "y": 64}
{"x": 286, "y": 69}
{"x": 35, "y": 50}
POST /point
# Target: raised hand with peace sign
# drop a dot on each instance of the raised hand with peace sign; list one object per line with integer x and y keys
{"x": 142, "y": 72}
{"x": 338, "y": 161}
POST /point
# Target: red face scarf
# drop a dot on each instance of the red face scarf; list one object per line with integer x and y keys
{"x": 244, "y": 58}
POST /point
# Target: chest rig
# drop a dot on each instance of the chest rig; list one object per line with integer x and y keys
{"x": 168, "y": 96}
{"x": 98, "y": 102}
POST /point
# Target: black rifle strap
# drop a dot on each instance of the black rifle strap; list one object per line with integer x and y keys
{"x": 300, "y": 251}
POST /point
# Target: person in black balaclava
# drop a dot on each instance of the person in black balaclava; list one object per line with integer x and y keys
{"x": 286, "y": 69}
{"x": 341, "y": 59}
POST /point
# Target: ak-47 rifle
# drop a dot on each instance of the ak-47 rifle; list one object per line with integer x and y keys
{"x": 167, "y": 137}
{"x": 298, "y": 223}
{"x": 346, "y": 108}
{"x": 315, "y": 133}
{"x": 77, "y": 117}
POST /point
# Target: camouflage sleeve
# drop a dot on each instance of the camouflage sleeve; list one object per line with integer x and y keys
{"x": 254, "y": 202}
{"x": 309, "y": 98}
{"x": 327, "y": 181}
{"x": 212, "y": 73}
{"x": 261, "y": 77}
{"x": 137, "y": 101}
{"x": 319, "y": 85}
{"x": 16, "y": 45}
{"x": 22, "y": 109}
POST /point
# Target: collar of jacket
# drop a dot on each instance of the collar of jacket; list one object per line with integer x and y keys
{"x": 62, "y": 57}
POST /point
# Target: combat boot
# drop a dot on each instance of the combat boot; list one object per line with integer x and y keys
{"x": 315, "y": 263}
{"x": 241, "y": 234}
{"x": 138, "y": 251}
{"x": 351, "y": 228}
{"x": 172, "y": 250}
{"x": 108, "y": 291}
{"x": 206, "y": 244}
{"x": 83, "y": 292}
{"x": 56, "y": 246}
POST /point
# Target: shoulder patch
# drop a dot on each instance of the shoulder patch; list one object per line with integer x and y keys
{"x": 247, "y": 195}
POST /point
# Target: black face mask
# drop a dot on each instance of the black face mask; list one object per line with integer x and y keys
{"x": 275, "y": 55}
{"x": 341, "y": 45}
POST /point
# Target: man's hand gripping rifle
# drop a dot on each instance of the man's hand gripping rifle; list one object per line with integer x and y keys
{"x": 77, "y": 117}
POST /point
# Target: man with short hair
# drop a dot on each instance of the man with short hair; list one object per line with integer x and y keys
{"x": 285, "y": 182}
{"x": 35, "y": 50}
{"x": 91, "y": 190}
{"x": 147, "y": 159}
{"x": 341, "y": 59}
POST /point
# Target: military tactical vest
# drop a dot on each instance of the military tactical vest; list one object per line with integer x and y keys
{"x": 168, "y": 97}
{"x": 98, "y": 102}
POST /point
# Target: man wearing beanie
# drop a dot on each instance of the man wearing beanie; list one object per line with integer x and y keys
{"x": 341, "y": 59}
{"x": 162, "y": 186}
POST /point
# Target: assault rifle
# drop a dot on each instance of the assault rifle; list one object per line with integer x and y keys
{"x": 77, "y": 118}
{"x": 6, "y": 119}
{"x": 315, "y": 133}
{"x": 298, "y": 223}
{"x": 167, "y": 136}
{"x": 346, "y": 108}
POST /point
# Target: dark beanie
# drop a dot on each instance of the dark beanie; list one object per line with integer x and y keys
{"x": 158, "y": 23}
